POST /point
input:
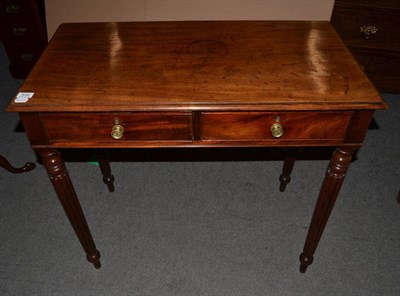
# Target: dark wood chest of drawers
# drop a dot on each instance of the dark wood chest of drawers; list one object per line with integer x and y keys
{"x": 370, "y": 28}
{"x": 23, "y": 32}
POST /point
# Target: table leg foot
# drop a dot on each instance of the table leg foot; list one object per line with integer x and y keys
{"x": 109, "y": 181}
{"x": 329, "y": 192}
{"x": 284, "y": 181}
{"x": 62, "y": 184}
{"x": 108, "y": 178}
{"x": 94, "y": 259}
{"x": 305, "y": 261}
{"x": 288, "y": 164}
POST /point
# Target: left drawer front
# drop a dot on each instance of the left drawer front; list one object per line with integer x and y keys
{"x": 97, "y": 127}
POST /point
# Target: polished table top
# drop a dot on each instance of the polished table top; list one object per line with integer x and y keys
{"x": 240, "y": 65}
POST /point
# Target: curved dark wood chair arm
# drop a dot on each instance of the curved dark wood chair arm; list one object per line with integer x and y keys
{"x": 29, "y": 166}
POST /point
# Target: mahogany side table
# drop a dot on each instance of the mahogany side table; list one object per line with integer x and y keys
{"x": 286, "y": 84}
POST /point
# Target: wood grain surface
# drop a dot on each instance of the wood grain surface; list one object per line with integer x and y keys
{"x": 211, "y": 65}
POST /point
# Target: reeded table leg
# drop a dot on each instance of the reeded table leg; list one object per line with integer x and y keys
{"x": 6, "y": 165}
{"x": 287, "y": 168}
{"x": 334, "y": 178}
{"x": 66, "y": 194}
{"x": 108, "y": 178}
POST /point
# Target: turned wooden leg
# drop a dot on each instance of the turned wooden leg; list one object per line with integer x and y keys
{"x": 66, "y": 194}
{"x": 103, "y": 159}
{"x": 334, "y": 178}
{"x": 287, "y": 168}
{"x": 6, "y": 165}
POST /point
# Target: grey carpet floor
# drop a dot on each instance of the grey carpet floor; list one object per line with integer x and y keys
{"x": 201, "y": 227}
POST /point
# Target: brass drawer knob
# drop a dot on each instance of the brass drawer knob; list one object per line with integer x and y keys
{"x": 12, "y": 8}
{"x": 368, "y": 30}
{"x": 27, "y": 57}
{"x": 19, "y": 31}
{"x": 117, "y": 132}
{"x": 277, "y": 130}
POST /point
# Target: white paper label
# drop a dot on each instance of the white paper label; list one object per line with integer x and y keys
{"x": 23, "y": 97}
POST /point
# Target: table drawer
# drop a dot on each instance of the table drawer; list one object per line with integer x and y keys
{"x": 12, "y": 8}
{"x": 382, "y": 68}
{"x": 355, "y": 23}
{"x": 21, "y": 53}
{"x": 97, "y": 127}
{"x": 257, "y": 125}
{"x": 21, "y": 30}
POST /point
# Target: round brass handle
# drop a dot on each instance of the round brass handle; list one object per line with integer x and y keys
{"x": 19, "y": 31}
{"x": 27, "y": 57}
{"x": 368, "y": 30}
{"x": 12, "y": 8}
{"x": 117, "y": 132}
{"x": 277, "y": 130}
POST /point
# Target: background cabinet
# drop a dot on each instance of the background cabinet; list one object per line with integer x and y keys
{"x": 23, "y": 32}
{"x": 371, "y": 30}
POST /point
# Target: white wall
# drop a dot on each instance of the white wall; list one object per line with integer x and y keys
{"x": 61, "y": 11}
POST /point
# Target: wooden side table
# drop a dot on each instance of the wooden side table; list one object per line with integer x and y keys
{"x": 197, "y": 84}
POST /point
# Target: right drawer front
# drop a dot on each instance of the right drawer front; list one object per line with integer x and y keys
{"x": 257, "y": 125}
